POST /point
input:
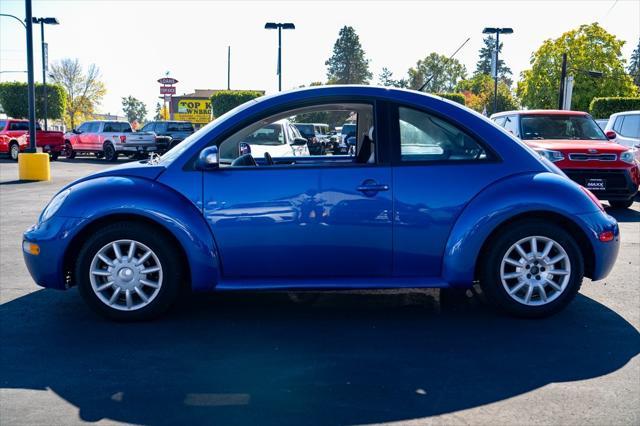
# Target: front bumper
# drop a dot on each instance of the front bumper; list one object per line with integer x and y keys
{"x": 53, "y": 238}
{"x": 619, "y": 183}
{"x": 605, "y": 253}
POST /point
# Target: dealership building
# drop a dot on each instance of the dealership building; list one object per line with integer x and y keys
{"x": 194, "y": 107}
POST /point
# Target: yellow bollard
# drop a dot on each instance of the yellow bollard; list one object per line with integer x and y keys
{"x": 34, "y": 166}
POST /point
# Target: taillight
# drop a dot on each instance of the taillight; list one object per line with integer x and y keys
{"x": 593, "y": 197}
{"x": 606, "y": 236}
{"x": 123, "y": 138}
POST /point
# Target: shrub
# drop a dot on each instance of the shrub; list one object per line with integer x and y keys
{"x": 455, "y": 97}
{"x": 226, "y": 100}
{"x": 604, "y": 107}
{"x": 14, "y": 100}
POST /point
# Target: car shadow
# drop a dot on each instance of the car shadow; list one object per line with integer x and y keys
{"x": 261, "y": 359}
{"x": 624, "y": 215}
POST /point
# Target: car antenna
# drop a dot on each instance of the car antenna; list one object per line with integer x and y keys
{"x": 445, "y": 63}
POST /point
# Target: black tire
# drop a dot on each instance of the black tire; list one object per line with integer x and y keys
{"x": 54, "y": 156}
{"x": 158, "y": 243}
{"x": 620, "y": 204}
{"x": 68, "y": 151}
{"x": 109, "y": 152}
{"x": 497, "y": 247}
{"x": 14, "y": 150}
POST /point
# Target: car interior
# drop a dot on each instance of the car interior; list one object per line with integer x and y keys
{"x": 235, "y": 151}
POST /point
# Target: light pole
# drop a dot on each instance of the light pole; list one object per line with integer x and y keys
{"x": 45, "y": 60}
{"x": 279, "y": 26}
{"x": 563, "y": 80}
{"x": 497, "y": 32}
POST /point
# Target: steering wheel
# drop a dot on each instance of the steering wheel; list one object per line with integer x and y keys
{"x": 268, "y": 159}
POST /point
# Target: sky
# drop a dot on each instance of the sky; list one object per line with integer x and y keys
{"x": 136, "y": 42}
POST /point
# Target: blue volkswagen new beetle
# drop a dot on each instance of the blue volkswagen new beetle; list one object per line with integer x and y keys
{"x": 433, "y": 195}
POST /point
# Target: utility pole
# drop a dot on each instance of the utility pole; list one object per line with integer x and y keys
{"x": 228, "y": 67}
{"x": 563, "y": 76}
{"x": 31, "y": 92}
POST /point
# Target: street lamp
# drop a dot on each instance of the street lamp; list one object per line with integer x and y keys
{"x": 563, "y": 81}
{"x": 279, "y": 26}
{"x": 497, "y": 32}
{"x": 45, "y": 59}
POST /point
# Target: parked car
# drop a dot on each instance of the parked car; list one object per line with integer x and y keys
{"x": 316, "y": 134}
{"x": 626, "y": 126}
{"x": 108, "y": 139}
{"x": 14, "y": 138}
{"x": 277, "y": 139}
{"x": 169, "y": 133}
{"x": 574, "y": 142}
{"x": 436, "y": 196}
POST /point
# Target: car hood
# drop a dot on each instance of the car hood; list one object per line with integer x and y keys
{"x": 572, "y": 145}
{"x": 140, "y": 169}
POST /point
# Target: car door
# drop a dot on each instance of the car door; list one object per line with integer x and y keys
{"x": 301, "y": 220}
{"x": 438, "y": 167}
{"x": 628, "y": 130}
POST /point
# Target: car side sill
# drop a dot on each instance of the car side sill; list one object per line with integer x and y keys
{"x": 329, "y": 283}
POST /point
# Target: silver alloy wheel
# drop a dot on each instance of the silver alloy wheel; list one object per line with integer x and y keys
{"x": 15, "y": 151}
{"x": 125, "y": 275}
{"x": 535, "y": 271}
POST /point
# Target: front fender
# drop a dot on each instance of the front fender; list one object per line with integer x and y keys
{"x": 101, "y": 197}
{"x": 501, "y": 201}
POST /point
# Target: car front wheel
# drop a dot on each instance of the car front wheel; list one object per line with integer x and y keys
{"x": 128, "y": 272}
{"x": 532, "y": 269}
{"x": 620, "y": 204}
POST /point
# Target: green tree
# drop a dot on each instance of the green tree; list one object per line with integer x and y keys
{"x": 84, "y": 91}
{"x": 158, "y": 115}
{"x": 134, "y": 109}
{"x": 483, "y": 66}
{"x": 634, "y": 65}
{"x": 588, "y": 47}
{"x": 386, "y": 79}
{"x": 348, "y": 64}
{"x": 14, "y": 100}
{"x": 441, "y": 72}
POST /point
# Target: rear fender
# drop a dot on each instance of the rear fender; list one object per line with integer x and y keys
{"x": 500, "y": 202}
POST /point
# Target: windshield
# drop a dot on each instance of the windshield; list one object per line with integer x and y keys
{"x": 578, "y": 127}
{"x": 267, "y": 135}
{"x": 306, "y": 130}
{"x": 349, "y": 129}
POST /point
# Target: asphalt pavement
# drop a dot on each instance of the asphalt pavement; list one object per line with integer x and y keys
{"x": 396, "y": 357}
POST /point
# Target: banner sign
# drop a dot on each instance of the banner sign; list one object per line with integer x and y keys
{"x": 167, "y": 90}
{"x": 193, "y": 110}
{"x": 167, "y": 80}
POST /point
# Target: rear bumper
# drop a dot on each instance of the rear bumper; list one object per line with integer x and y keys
{"x": 136, "y": 147}
{"x": 619, "y": 183}
{"x": 604, "y": 253}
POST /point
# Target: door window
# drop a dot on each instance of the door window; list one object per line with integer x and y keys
{"x": 94, "y": 127}
{"x": 149, "y": 127}
{"x": 511, "y": 125}
{"x": 424, "y": 137}
{"x": 618, "y": 124}
{"x": 630, "y": 127}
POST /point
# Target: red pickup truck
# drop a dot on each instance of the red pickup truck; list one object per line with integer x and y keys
{"x": 14, "y": 139}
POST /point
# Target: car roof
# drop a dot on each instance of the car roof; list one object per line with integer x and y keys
{"x": 617, "y": 114}
{"x": 540, "y": 112}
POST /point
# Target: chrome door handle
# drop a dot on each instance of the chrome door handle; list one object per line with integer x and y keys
{"x": 372, "y": 188}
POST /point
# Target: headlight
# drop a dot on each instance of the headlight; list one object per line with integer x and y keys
{"x": 550, "y": 155}
{"x": 54, "y": 205}
{"x": 628, "y": 156}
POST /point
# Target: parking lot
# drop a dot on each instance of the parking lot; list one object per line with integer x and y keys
{"x": 347, "y": 358}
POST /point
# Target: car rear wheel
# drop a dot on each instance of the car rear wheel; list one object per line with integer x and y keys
{"x": 128, "y": 272}
{"x": 620, "y": 204}
{"x": 109, "y": 152}
{"x": 532, "y": 269}
{"x": 14, "y": 151}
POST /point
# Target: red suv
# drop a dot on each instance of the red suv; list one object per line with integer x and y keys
{"x": 577, "y": 145}
{"x": 14, "y": 139}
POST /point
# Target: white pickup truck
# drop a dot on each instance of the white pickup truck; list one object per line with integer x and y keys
{"x": 108, "y": 139}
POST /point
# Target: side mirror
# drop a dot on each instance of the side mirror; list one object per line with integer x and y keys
{"x": 76, "y": 131}
{"x": 299, "y": 142}
{"x": 611, "y": 134}
{"x": 243, "y": 149}
{"x": 208, "y": 159}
